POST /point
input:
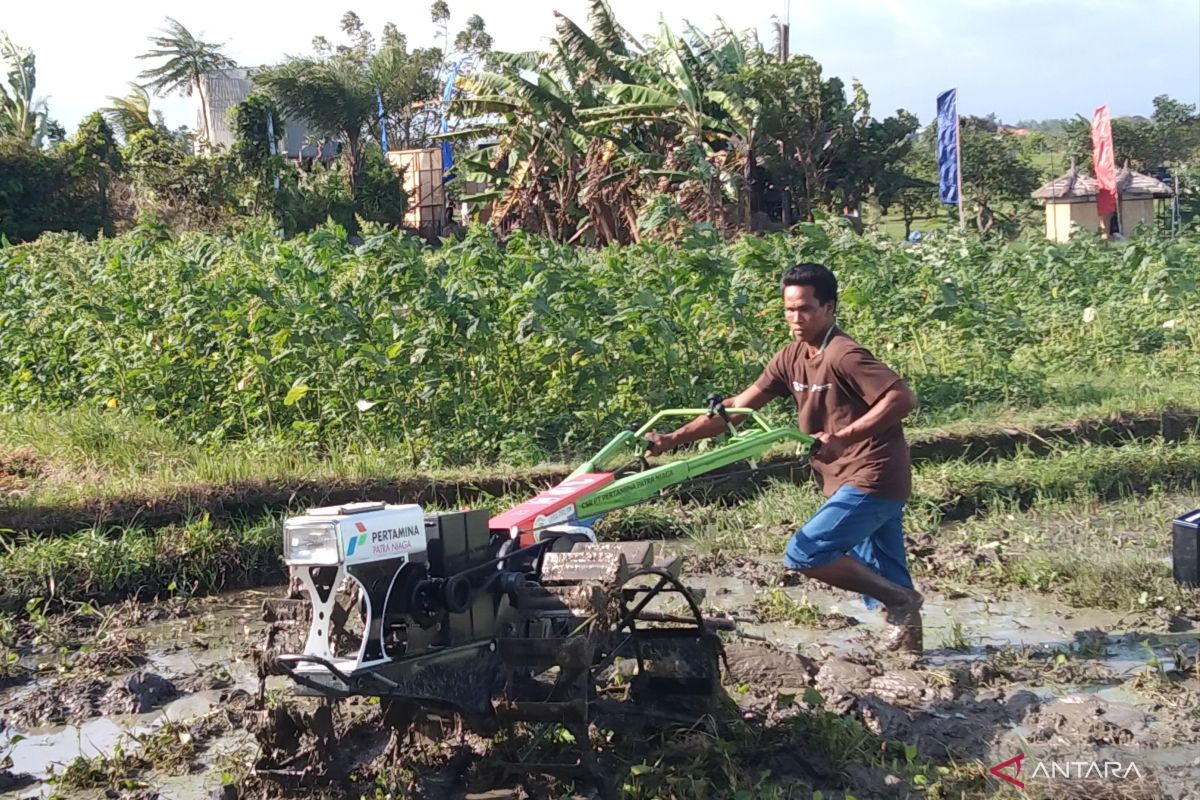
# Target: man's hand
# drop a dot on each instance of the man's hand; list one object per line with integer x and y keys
{"x": 832, "y": 446}
{"x": 659, "y": 443}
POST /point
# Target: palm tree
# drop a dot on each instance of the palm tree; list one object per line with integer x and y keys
{"x": 335, "y": 96}
{"x": 129, "y": 114}
{"x": 187, "y": 61}
{"x": 20, "y": 115}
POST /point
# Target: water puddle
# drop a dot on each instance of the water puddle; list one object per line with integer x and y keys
{"x": 210, "y": 647}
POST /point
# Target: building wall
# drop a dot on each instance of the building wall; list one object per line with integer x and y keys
{"x": 224, "y": 90}
{"x": 1061, "y": 216}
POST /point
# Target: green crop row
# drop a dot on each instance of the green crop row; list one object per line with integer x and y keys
{"x": 485, "y": 350}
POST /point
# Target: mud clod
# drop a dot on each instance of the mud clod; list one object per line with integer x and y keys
{"x": 840, "y": 675}
{"x": 61, "y": 702}
{"x": 1075, "y": 719}
{"x": 763, "y": 665}
{"x": 139, "y": 693}
{"x": 746, "y": 568}
{"x": 11, "y": 781}
{"x": 904, "y": 687}
{"x": 873, "y": 782}
{"x": 121, "y": 652}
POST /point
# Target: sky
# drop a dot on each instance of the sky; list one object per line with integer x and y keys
{"x": 1021, "y": 59}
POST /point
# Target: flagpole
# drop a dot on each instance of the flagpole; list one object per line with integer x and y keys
{"x": 962, "y": 220}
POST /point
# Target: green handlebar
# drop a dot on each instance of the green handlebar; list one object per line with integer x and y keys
{"x": 631, "y": 489}
{"x": 693, "y": 412}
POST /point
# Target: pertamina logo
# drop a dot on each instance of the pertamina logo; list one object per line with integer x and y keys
{"x": 356, "y": 541}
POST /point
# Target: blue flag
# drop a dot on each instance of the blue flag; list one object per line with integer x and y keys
{"x": 382, "y": 123}
{"x": 447, "y": 94}
{"x": 947, "y": 146}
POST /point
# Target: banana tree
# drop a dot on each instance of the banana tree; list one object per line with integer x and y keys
{"x": 130, "y": 114}
{"x": 549, "y": 169}
{"x": 20, "y": 115}
{"x": 683, "y": 114}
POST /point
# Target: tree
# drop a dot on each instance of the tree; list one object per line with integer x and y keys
{"x": 911, "y": 185}
{"x": 1170, "y": 138}
{"x": 335, "y": 95}
{"x": 93, "y": 160}
{"x": 20, "y": 115}
{"x": 993, "y": 169}
{"x": 811, "y": 125}
{"x": 129, "y": 114}
{"x": 187, "y": 60}
{"x": 875, "y": 159}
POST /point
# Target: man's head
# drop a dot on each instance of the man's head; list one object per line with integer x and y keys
{"x": 809, "y": 301}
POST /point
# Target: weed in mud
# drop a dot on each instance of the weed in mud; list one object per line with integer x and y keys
{"x": 955, "y": 638}
{"x": 118, "y": 770}
{"x": 1119, "y": 581}
{"x": 648, "y": 521}
{"x": 169, "y": 749}
{"x": 11, "y": 668}
{"x": 1011, "y": 664}
{"x": 8, "y": 630}
{"x": 778, "y": 606}
{"x": 1086, "y": 552}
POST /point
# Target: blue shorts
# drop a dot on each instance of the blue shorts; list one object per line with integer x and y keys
{"x": 852, "y": 522}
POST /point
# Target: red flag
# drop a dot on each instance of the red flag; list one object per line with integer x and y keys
{"x": 1102, "y": 162}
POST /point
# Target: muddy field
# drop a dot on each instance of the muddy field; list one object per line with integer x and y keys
{"x": 165, "y": 700}
{"x": 1060, "y": 660}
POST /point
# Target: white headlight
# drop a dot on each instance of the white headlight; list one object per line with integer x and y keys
{"x": 314, "y": 543}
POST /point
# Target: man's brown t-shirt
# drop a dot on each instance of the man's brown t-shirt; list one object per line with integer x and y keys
{"x": 832, "y": 389}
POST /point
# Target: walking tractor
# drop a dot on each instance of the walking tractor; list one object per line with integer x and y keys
{"x": 521, "y": 620}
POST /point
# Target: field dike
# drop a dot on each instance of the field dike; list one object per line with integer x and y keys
{"x": 234, "y": 501}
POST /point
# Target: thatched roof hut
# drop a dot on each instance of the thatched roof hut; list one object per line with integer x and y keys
{"x": 1071, "y": 202}
{"x": 1077, "y": 186}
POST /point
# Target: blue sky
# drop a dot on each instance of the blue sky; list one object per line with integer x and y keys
{"x": 1017, "y": 58}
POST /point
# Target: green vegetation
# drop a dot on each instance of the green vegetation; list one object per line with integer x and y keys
{"x": 753, "y": 760}
{"x": 1078, "y": 525}
{"x": 321, "y": 343}
{"x": 100, "y": 565}
{"x": 601, "y": 137}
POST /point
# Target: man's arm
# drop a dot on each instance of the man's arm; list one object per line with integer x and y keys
{"x": 703, "y": 426}
{"x": 892, "y": 406}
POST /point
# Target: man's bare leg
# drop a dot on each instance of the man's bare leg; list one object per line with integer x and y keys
{"x": 903, "y": 605}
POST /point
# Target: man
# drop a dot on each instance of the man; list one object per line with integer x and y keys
{"x": 854, "y": 405}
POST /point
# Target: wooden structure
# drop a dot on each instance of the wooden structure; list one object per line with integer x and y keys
{"x": 1071, "y": 202}
{"x": 421, "y": 177}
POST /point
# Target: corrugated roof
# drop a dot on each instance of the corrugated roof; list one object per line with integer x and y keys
{"x": 1079, "y": 185}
